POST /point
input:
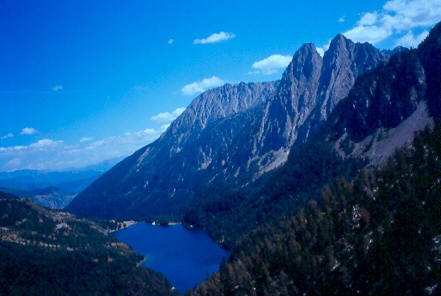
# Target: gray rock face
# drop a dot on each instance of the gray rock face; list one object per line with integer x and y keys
{"x": 229, "y": 136}
{"x": 343, "y": 62}
{"x": 200, "y": 147}
{"x": 309, "y": 90}
{"x": 384, "y": 109}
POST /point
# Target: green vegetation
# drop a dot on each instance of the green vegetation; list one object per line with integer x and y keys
{"x": 381, "y": 98}
{"x": 45, "y": 252}
{"x": 379, "y": 235}
{"x": 310, "y": 166}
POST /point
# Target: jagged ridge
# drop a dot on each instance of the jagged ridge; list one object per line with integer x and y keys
{"x": 230, "y": 136}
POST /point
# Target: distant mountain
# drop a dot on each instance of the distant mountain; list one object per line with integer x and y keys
{"x": 50, "y": 197}
{"x": 52, "y": 189}
{"x": 45, "y": 252}
{"x": 72, "y": 181}
{"x": 230, "y": 136}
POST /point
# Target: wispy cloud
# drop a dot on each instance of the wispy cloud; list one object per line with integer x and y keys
{"x": 397, "y": 17}
{"x": 271, "y": 64}
{"x": 39, "y": 145}
{"x": 122, "y": 145}
{"x": 57, "y": 88}
{"x": 215, "y": 38}
{"x": 85, "y": 139}
{"x": 411, "y": 40}
{"x": 167, "y": 117}
{"x": 170, "y": 41}
{"x": 45, "y": 143}
{"x": 201, "y": 86}
{"x": 7, "y": 136}
{"x": 341, "y": 20}
{"x": 372, "y": 34}
{"x": 28, "y": 131}
{"x": 54, "y": 155}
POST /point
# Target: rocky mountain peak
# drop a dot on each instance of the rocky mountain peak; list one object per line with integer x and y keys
{"x": 338, "y": 42}
{"x": 343, "y": 62}
{"x": 230, "y": 136}
{"x": 303, "y": 63}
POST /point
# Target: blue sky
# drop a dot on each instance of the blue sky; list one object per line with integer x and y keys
{"x": 85, "y": 81}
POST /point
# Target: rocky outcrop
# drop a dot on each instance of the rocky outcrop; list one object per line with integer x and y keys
{"x": 229, "y": 136}
{"x": 309, "y": 90}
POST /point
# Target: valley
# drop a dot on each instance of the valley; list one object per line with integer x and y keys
{"x": 327, "y": 181}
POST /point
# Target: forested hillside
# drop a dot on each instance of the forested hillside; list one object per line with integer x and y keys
{"x": 378, "y": 235}
{"x": 45, "y": 252}
{"x": 381, "y": 113}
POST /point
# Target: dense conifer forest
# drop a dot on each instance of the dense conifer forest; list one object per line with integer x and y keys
{"x": 310, "y": 166}
{"x": 377, "y": 235}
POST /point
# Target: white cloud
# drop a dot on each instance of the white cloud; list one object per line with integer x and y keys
{"x": 47, "y": 154}
{"x": 119, "y": 146}
{"x": 57, "y": 88}
{"x": 15, "y": 162}
{"x": 45, "y": 143}
{"x": 341, "y": 20}
{"x": 410, "y": 40}
{"x": 271, "y": 64}
{"x": 170, "y": 41}
{"x": 85, "y": 139}
{"x": 28, "y": 131}
{"x": 409, "y": 14}
{"x": 321, "y": 51}
{"x": 39, "y": 145}
{"x": 215, "y": 38}
{"x": 371, "y": 34}
{"x": 395, "y": 18}
{"x": 201, "y": 86}
{"x": 10, "y": 135}
{"x": 167, "y": 117}
{"x": 368, "y": 19}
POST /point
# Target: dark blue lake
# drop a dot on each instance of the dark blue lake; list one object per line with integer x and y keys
{"x": 185, "y": 256}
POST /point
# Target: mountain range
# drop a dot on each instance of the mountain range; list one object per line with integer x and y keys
{"x": 378, "y": 234}
{"x": 243, "y": 155}
{"x": 52, "y": 189}
{"x": 325, "y": 182}
{"x": 231, "y": 136}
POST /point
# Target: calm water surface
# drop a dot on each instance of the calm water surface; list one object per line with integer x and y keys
{"x": 185, "y": 256}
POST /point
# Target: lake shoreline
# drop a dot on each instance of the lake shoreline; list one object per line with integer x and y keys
{"x": 183, "y": 255}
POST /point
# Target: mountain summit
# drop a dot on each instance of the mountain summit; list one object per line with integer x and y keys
{"x": 230, "y": 136}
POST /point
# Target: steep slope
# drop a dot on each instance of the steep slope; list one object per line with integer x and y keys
{"x": 383, "y": 110}
{"x": 45, "y": 252}
{"x": 309, "y": 90}
{"x": 229, "y": 136}
{"x": 343, "y": 63}
{"x": 379, "y": 235}
{"x": 156, "y": 178}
